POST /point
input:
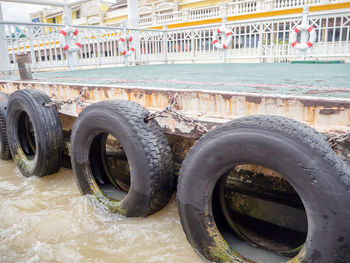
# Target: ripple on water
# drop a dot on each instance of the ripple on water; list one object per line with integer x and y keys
{"x": 47, "y": 220}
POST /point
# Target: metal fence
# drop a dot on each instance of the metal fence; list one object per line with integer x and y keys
{"x": 264, "y": 40}
{"x": 99, "y": 45}
{"x": 259, "y": 40}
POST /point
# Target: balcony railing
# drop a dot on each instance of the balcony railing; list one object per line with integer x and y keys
{"x": 204, "y": 13}
{"x": 282, "y": 4}
{"x": 242, "y": 7}
{"x": 227, "y": 9}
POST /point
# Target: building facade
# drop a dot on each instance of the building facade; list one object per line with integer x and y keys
{"x": 182, "y": 13}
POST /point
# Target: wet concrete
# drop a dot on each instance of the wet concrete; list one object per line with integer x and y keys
{"x": 309, "y": 80}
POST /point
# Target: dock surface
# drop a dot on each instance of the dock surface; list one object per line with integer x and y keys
{"x": 312, "y": 80}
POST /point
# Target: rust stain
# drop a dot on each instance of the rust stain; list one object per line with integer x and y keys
{"x": 252, "y": 99}
{"x": 89, "y": 95}
{"x": 179, "y": 100}
{"x": 226, "y": 96}
{"x": 285, "y": 106}
{"x": 329, "y": 111}
{"x": 311, "y": 115}
{"x": 105, "y": 92}
{"x": 249, "y": 108}
{"x": 148, "y": 100}
{"x": 325, "y": 104}
{"x": 215, "y": 102}
{"x": 128, "y": 95}
{"x": 199, "y": 101}
{"x": 229, "y": 106}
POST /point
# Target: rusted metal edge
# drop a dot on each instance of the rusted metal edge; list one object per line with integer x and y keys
{"x": 317, "y": 100}
{"x": 209, "y": 107}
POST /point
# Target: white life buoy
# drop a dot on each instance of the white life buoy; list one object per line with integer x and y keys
{"x": 63, "y": 41}
{"x": 123, "y": 45}
{"x": 226, "y": 38}
{"x": 303, "y": 46}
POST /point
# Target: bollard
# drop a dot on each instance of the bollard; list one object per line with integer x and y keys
{"x": 25, "y": 71}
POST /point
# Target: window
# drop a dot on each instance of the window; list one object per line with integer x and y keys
{"x": 54, "y": 20}
{"x": 78, "y": 13}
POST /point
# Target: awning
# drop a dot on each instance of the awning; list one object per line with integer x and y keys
{"x": 76, "y": 7}
{"x": 54, "y": 15}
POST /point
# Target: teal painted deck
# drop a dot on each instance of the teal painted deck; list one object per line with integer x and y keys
{"x": 314, "y": 80}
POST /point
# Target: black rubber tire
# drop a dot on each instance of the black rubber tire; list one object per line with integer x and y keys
{"x": 37, "y": 152}
{"x": 298, "y": 153}
{"x": 146, "y": 148}
{"x": 5, "y": 153}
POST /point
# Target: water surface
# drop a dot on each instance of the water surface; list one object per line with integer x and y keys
{"x": 47, "y": 220}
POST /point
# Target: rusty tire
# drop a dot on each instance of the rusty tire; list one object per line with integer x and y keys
{"x": 145, "y": 146}
{"x": 5, "y": 153}
{"x": 298, "y": 153}
{"x": 34, "y": 132}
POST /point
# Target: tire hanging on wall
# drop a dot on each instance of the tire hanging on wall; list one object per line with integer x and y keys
{"x": 34, "y": 133}
{"x": 298, "y": 153}
{"x": 5, "y": 153}
{"x": 143, "y": 145}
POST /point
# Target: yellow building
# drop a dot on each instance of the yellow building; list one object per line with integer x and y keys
{"x": 182, "y": 13}
{"x": 90, "y": 13}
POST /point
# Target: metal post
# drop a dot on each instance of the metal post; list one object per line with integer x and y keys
{"x": 25, "y": 71}
{"x": 165, "y": 44}
{"x": 67, "y": 21}
{"x": 133, "y": 16}
{"x": 133, "y": 22}
{"x": 193, "y": 46}
{"x": 260, "y": 43}
{"x": 125, "y": 58}
{"x": 4, "y": 55}
{"x": 304, "y": 34}
{"x": 224, "y": 53}
{"x": 31, "y": 44}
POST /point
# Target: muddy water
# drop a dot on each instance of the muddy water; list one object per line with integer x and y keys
{"x": 47, "y": 220}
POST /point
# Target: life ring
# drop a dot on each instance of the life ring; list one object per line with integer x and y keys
{"x": 225, "y": 39}
{"x": 5, "y": 153}
{"x": 34, "y": 132}
{"x": 301, "y": 155}
{"x": 63, "y": 39}
{"x": 303, "y": 46}
{"x": 123, "y": 45}
{"x": 144, "y": 181}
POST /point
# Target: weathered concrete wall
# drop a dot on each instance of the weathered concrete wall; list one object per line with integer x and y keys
{"x": 210, "y": 108}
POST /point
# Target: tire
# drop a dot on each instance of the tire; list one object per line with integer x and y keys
{"x": 146, "y": 150}
{"x": 5, "y": 153}
{"x": 34, "y": 132}
{"x": 298, "y": 153}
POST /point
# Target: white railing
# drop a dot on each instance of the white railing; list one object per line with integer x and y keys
{"x": 204, "y": 13}
{"x": 169, "y": 18}
{"x": 145, "y": 21}
{"x": 282, "y": 4}
{"x": 227, "y": 9}
{"x": 261, "y": 40}
{"x": 99, "y": 45}
{"x": 241, "y": 7}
